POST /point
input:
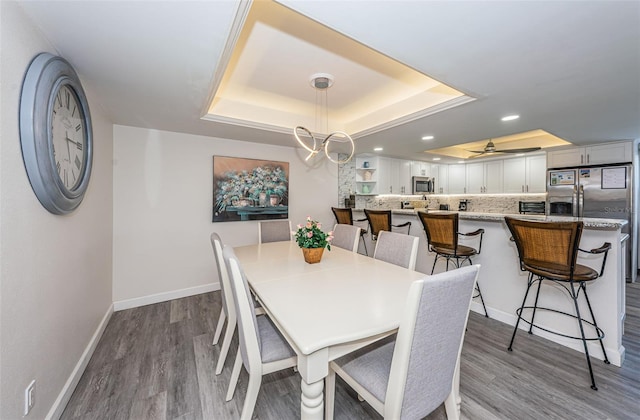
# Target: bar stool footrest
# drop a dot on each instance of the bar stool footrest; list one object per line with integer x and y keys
{"x": 599, "y": 331}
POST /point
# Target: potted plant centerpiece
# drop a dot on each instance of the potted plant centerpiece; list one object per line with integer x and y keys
{"x": 313, "y": 240}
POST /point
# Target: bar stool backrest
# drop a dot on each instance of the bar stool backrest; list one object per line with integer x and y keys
{"x": 343, "y": 216}
{"x": 441, "y": 229}
{"x": 548, "y": 246}
{"x": 378, "y": 220}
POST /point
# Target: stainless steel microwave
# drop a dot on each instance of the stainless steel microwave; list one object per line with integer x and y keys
{"x": 423, "y": 185}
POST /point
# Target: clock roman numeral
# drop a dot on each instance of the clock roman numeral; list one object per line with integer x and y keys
{"x": 78, "y": 127}
{"x": 78, "y": 163}
{"x": 67, "y": 96}
{"x": 74, "y": 110}
{"x": 59, "y": 99}
{"x": 58, "y": 166}
{"x": 79, "y": 145}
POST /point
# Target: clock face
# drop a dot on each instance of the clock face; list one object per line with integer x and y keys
{"x": 68, "y": 137}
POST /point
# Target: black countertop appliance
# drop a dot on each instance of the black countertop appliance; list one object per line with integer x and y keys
{"x": 531, "y": 207}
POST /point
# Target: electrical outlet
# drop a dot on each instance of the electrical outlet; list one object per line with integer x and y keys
{"x": 29, "y": 397}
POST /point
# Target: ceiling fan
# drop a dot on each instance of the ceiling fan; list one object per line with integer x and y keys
{"x": 491, "y": 148}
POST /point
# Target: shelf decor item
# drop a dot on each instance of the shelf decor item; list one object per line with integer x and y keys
{"x": 312, "y": 240}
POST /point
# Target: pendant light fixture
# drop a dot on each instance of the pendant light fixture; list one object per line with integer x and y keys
{"x": 321, "y": 82}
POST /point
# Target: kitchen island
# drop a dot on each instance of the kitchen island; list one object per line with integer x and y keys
{"x": 503, "y": 284}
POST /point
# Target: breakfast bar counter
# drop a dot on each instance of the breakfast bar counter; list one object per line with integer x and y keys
{"x": 503, "y": 284}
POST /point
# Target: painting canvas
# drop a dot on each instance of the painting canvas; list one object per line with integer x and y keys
{"x": 249, "y": 189}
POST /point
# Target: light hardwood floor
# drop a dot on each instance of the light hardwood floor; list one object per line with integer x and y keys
{"x": 157, "y": 362}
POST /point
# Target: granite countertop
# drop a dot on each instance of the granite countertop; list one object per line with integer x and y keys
{"x": 498, "y": 217}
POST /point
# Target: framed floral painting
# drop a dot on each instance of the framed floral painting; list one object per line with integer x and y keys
{"x": 249, "y": 189}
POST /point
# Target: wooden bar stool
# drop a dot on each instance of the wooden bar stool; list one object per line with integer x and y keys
{"x": 381, "y": 220}
{"x": 548, "y": 251}
{"x": 442, "y": 239}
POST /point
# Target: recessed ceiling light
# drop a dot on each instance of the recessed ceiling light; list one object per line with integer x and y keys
{"x": 436, "y": 158}
{"x": 377, "y": 149}
{"x": 510, "y": 117}
{"x": 427, "y": 138}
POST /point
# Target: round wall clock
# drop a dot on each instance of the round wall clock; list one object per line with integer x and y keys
{"x": 55, "y": 133}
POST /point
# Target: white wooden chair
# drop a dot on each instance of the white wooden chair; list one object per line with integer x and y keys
{"x": 228, "y": 311}
{"x": 262, "y": 349}
{"x": 413, "y": 375}
{"x": 346, "y": 237}
{"x": 274, "y": 231}
{"x": 396, "y": 248}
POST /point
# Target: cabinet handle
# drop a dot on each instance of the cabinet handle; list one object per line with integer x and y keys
{"x": 588, "y": 158}
{"x": 581, "y": 158}
{"x": 527, "y": 188}
{"x": 523, "y": 188}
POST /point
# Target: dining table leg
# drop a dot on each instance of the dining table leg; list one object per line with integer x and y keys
{"x": 312, "y": 405}
{"x": 313, "y": 368}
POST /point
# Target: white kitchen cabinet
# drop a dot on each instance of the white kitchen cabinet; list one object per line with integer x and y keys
{"x": 616, "y": 152}
{"x": 401, "y": 176}
{"x": 441, "y": 174}
{"x": 421, "y": 169}
{"x": 394, "y": 176}
{"x": 484, "y": 177}
{"x": 384, "y": 175}
{"x": 525, "y": 174}
{"x": 536, "y": 180}
{"x": 599, "y": 154}
{"x": 457, "y": 179}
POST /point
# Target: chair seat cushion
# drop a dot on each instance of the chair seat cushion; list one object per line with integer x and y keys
{"x": 463, "y": 251}
{"x": 370, "y": 366}
{"x": 559, "y": 273}
{"x": 273, "y": 345}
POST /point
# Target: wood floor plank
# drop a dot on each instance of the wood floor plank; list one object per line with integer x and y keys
{"x": 157, "y": 362}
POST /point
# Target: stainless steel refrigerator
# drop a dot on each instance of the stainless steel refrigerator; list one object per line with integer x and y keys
{"x": 598, "y": 192}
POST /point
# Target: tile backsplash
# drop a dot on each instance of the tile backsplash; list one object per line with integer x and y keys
{"x": 484, "y": 203}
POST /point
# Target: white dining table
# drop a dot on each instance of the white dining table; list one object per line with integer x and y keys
{"x": 328, "y": 309}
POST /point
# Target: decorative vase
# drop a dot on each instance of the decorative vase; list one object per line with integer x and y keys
{"x": 312, "y": 255}
{"x": 367, "y": 175}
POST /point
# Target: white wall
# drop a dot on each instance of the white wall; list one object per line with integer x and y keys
{"x": 55, "y": 271}
{"x": 162, "y": 201}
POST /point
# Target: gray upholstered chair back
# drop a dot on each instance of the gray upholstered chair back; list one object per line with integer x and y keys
{"x": 346, "y": 237}
{"x": 397, "y": 248}
{"x": 247, "y": 323}
{"x": 274, "y": 231}
{"x": 440, "y": 322}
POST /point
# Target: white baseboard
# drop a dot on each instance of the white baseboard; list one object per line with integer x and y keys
{"x": 163, "y": 297}
{"x": 67, "y": 390}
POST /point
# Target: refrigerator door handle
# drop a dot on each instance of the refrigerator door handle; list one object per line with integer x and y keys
{"x": 581, "y": 201}
{"x": 574, "y": 202}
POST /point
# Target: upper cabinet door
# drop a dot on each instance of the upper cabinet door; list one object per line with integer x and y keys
{"x": 617, "y": 152}
{"x": 566, "y": 158}
{"x": 457, "y": 178}
{"x": 536, "y": 167}
{"x": 384, "y": 175}
{"x": 475, "y": 178}
{"x": 493, "y": 177}
{"x": 515, "y": 175}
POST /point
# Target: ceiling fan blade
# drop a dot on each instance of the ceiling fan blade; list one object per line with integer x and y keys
{"x": 477, "y": 151}
{"x": 523, "y": 150}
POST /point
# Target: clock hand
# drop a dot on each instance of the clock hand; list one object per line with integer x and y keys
{"x": 68, "y": 151}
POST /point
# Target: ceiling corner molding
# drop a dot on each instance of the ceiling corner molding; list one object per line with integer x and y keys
{"x": 234, "y": 33}
{"x": 246, "y": 123}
